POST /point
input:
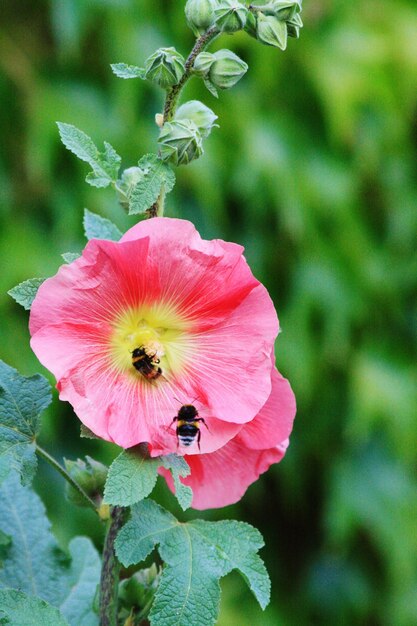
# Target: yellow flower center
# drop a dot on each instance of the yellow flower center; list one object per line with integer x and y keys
{"x": 159, "y": 330}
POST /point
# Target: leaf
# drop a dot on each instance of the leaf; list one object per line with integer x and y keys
{"x": 132, "y": 476}
{"x": 157, "y": 178}
{"x": 86, "y": 433}
{"x": 97, "y": 227}
{"x": 25, "y": 292}
{"x": 35, "y": 564}
{"x": 122, "y": 70}
{"x": 5, "y": 541}
{"x": 105, "y": 164}
{"x": 19, "y": 609}
{"x": 69, "y": 257}
{"x": 82, "y": 580}
{"x": 196, "y": 555}
{"x": 22, "y": 400}
{"x": 178, "y": 466}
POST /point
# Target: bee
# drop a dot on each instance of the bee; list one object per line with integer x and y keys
{"x": 146, "y": 364}
{"x": 188, "y": 425}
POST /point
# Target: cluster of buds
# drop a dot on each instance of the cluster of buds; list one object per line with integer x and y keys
{"x": 165, "y": 67}
{"x": 90, "y": 475}
{"x": 181, "y": 140}
{"x": 274, "y": 22}
{"x": 136, "y": 593}
{"x": 229, "y": 16}
{"x": 220, "y": 70}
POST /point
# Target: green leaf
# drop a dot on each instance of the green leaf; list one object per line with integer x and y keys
{"x": 122, "y": 70}
{"x": 105, "y": 164}
{"x": 69, "y": 257}
{"x": 178, "y": 466}
{"x": 21, "y": 402}
{"x": 19, "y": 609}
{"x": 196, "y": 555}
{"x": 25, "y": 292}
{"x": 132, "y": 476}
{"x": 157, "y": 178}
{"x": 86, "y": 433}
{"x": 34, "y": 562}
{"x": 5, "y": 541}
{"x": 82, "y": 580}
{"x": 97, "y": 227}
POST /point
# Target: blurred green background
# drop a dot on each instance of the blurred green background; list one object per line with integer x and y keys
{"x": 313, "y": 169}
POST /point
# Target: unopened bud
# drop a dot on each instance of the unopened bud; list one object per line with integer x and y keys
{"x": 250, "y": 26}
{"x": 294, "y": 25}
{"x": 282, "y": 9}
{"x": 227, "y": 69}
{"x": 90, "y": 475}
{"x": 159, "y": 120}
{"x": 165, "y": 67}
{"x": 138, "y": 590}
{"x": 271, "y": 31}
{"x": 230, "y": 15}
{"x": 180, "y": 142}
{"x": 200, "y": 114}
{"x": 203, "y": 63}
{"x": 200, "y": 15}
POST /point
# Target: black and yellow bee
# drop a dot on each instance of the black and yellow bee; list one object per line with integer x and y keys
{"x": 146, "y": 364}
{"x": 188, "y": 425}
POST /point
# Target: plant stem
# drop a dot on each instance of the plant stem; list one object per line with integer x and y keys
{"x": 109, "y": 582}
{"x": 174, "y": 92}
{"x": 50, "y": 459}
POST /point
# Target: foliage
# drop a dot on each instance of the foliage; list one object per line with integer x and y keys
{"x": 313, "y": 172}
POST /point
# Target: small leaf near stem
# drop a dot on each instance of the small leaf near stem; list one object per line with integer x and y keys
{"x": 50, "y": 459}
{"x": 109, "y": 582}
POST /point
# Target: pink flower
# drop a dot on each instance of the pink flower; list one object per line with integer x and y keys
{"x": 198, "y": 324}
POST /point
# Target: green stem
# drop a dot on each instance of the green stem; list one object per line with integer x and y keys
{"x": 109, "y": 582}
{"x": 174, "y": 93}
{"x": 50, "y": 459}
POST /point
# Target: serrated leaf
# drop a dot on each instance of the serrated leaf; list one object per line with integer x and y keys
{"x": 82, "y": 580}
{"x": 196, "y": 555}
{"x": 69, "y": 257}
{"x": 25, "y": 292}
{"x": 105, "y": 164}
{"x": 97, "y": 227}
{"x": 34, "y": 562}
{"x": 22, "y": 400}
{"x": 19, "y": 609}
{"x": 122, "y": 70}
{"x": 131, "y": 478}
{"x": 158, "y": 178}
{"x": 178, "y": 466}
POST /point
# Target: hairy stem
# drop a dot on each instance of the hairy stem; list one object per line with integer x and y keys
{"x": 174, "y": 93}
{"x": 50, "y": 459}
{"x": 109, "y": 581}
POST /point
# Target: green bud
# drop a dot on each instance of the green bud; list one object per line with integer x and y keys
{"x": 130, "y": 178}
{"x": 138, "y": 590}
{"x": 230, "y": 15}
{"x": 180, "y": 142}
{"x": 165, "y": 67}
{"x": 227, "y": 69}
{"x": 294, "y": 25}
{"x": 282, "y": 9}
{"x": 272, "y": 31}
{"x": 200, "y": 15}
{"x": 200, "y": 114}
{"x": 90, "y": 475}
{"x": 250, "y": 26}
{"x": 203, "y": 63}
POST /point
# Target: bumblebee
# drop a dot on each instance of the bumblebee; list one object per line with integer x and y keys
{"x": 188, "y": 425}
{"x": 146, "y": 364}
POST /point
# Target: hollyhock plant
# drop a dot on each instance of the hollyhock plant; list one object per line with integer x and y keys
{"x": 193, "y": 305}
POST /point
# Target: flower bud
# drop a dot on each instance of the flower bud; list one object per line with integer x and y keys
{"x": 165, "y": 67}
{"x": 139, "y": 589}
{"x": 282, "y": 9}
{"x": 230, "y": 15}
{"x": 180, "y": 142}
{"x": 200, "y": 114}
{"x": 203, "y": 63}
{"x": 250, "y": 26}
{"x": 227, "y": 69}
{"x": 294, "y": 25}
{"x": 200, "y": 15}
{"x": 90, "y": 475}
{"x": 271, "y": 31}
